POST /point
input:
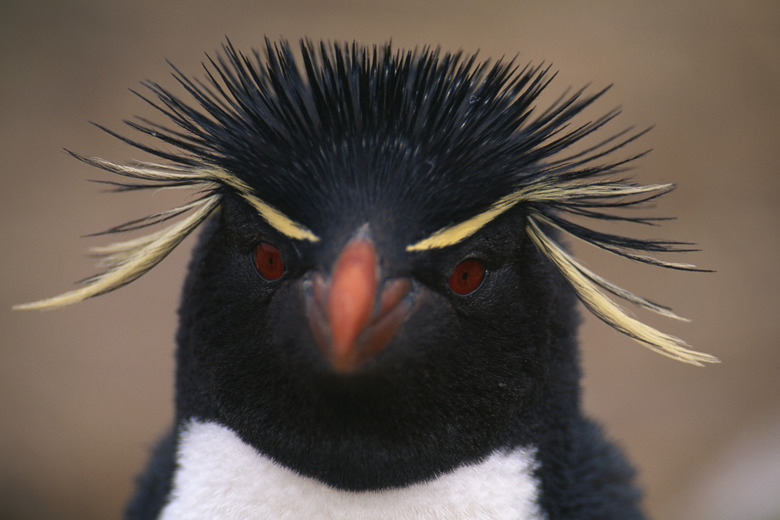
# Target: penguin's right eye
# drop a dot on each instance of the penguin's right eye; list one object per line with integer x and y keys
{"x": 268, "y": 261}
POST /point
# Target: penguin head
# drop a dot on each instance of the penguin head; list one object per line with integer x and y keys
{"x": 380, "y": 264}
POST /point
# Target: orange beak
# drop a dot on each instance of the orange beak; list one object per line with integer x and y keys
{"x": 350, "y": 324}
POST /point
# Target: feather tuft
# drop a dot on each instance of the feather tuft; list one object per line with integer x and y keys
{"x": 590, "y": 288}
{"x": 126, "y": 261}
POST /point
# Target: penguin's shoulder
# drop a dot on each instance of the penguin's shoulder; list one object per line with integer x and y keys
{"x": 154, "y": 484}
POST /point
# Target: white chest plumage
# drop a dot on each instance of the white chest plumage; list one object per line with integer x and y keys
{"x": 220, "y": 477}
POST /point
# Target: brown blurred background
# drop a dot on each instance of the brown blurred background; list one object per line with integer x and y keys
{"x": 84, "y": 391}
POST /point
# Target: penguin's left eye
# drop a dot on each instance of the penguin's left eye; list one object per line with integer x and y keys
{"x": 467, "y": 276}
{"x": 268, "y": 261}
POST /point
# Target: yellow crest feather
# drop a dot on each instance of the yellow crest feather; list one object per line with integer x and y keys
{"x": 128, "y": 260}
{"x": 590, "y": 289}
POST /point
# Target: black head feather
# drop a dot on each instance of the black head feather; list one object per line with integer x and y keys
{"x": 435, "y": 145}
{"x": 398, "y": 127}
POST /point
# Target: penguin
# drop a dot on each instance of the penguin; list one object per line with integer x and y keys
{"x": 379, "y": 319}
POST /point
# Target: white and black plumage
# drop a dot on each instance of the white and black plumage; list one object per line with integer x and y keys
{"x": 378, "y": 321}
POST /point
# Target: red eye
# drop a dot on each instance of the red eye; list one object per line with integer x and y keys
{"x": 467, "y": 276}
{"x": 269, "y": 261}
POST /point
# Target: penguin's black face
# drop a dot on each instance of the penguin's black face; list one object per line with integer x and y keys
{"x": 439, "y": 347}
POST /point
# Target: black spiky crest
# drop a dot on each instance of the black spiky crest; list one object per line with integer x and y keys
{"x": 457, "y": 140}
